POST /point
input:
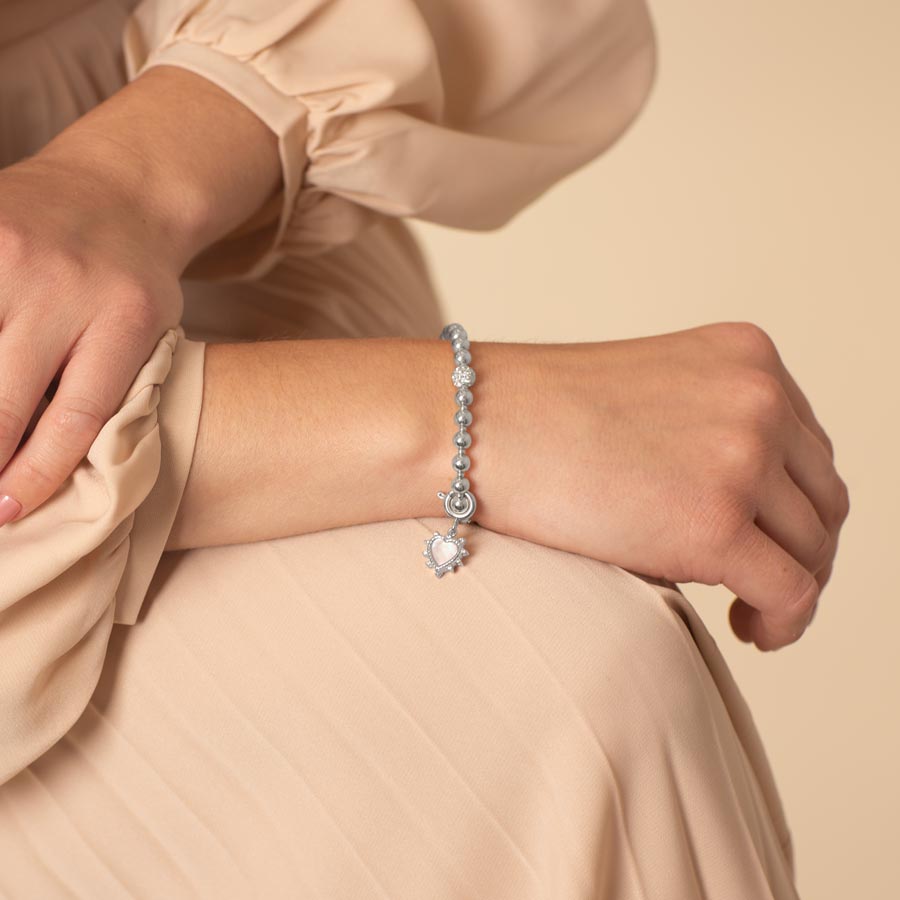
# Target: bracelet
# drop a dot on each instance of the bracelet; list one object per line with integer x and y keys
{"x": 443, "y": 552}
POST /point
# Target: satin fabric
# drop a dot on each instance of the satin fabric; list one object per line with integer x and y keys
{"x": 318, "y": 716}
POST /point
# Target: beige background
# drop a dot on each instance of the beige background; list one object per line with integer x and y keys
{"x": 759, "y": 183}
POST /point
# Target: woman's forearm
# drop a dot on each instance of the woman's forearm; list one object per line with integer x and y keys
{"x": 190, "y": 161}
{"x": 298, "y": 436}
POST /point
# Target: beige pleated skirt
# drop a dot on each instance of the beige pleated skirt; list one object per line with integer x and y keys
{"x": 319, "y": 716}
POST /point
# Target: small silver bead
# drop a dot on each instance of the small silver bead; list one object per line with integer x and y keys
{"x": 452, "y": 329}
{"x": 460, "y": 343}
{"x": 460, "y": 484}
{"x": 462, "y": 439}
{"x": 459, "y": 504}
{"x": 463, "y": 417}
{"x": 462, "y": 357}
{"x": 461, "y": 462}
{"x": 464, "y": 397}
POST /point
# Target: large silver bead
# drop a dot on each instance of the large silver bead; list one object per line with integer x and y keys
{"x": 464, "y": 397}
{"x": 463, "y": 417}
{"x": 461, "y": 462}
{"x": 463, "y": 376}
{"x": 460, "y": 485}
{"x": 462, "y": 357}
{"x": 462, "y": 439}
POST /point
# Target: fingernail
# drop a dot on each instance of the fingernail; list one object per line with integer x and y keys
{"x": 9, "y": 509}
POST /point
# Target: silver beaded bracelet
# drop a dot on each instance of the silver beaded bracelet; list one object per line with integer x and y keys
{"x": 443, "y": 552}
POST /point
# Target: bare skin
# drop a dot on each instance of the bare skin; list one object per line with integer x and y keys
{"x": 692, "y": 455}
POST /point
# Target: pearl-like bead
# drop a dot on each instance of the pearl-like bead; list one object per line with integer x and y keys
{"x": 463, "y": 417}
{"x": 464, "y": 397}
{"x": 452, "y": 330}
{"x": 461, "y": 462}
{"x": 460, "y": 343}
{"x": 462, "y": 439}
{"x": 462, "y": 357}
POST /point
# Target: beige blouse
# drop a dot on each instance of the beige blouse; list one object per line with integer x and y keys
{"x": 460, "y": 113}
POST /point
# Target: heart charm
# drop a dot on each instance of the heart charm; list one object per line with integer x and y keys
{"x": 444, "y": 553}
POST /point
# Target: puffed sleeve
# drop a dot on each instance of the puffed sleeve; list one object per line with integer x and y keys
{"x": 458, "y": 112}
{"x": 84, "y": 559}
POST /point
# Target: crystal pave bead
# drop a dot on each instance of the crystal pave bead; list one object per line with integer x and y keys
{"x": 463, "y": 376}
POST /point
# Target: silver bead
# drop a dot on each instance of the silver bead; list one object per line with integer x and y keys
{"x": 453, "y": 331}
{"x": 461, "y": 462}
{"x": 459, "y": 504}
{"x": 462, "y": 357}
{"x": 463, "y": 417}
{"x": 463, "y": 376}
{"x": 460, "y": 343}
{"x": 462, "y": 439}
{"x": 464, "y": 397}
{"x": 460, "y": 484}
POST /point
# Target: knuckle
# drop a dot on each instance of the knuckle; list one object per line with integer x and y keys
{"x": 842, "y": 502}
{"x": 761, "y": 395}
{"x": 37, "y": 474}
{"x": 802, "y": 603}
{"x": 76, "y": 420}
{"x": 13, "y": 244}
{"x": 822, "y": 552}
{"x": 744, "y": 455}
{"x": 138, "y": 306}
{"x": 751, "y": 341}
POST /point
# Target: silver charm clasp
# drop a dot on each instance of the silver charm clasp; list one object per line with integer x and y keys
{"x": 465, "y": 509}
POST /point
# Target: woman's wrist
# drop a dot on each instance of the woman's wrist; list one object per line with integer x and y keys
{"x": 297, "y": 436}
{"x": 175, "y": 152}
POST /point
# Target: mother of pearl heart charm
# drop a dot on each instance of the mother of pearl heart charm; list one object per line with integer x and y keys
{"x": 444, "y": 552}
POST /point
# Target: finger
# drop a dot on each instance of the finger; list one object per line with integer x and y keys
{"x": 90, "y": 390}
{"x": 775, "y": 593}
{"x": 802, "y": 407}
{"x": 26, "y": 369}
{"x": 823, "y": 576}
{"x": 811, "y": 466}
{"x": 741, "y": 614}
{"x": 787, "y": 516}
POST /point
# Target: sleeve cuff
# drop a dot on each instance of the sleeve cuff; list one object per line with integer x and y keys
{"x": 178, "y": 417}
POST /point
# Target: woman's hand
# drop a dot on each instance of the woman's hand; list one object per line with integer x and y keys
{"x": 95, "y": 231}
{"x": 693, "y": 456}
{"x": 84, "y": 294}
